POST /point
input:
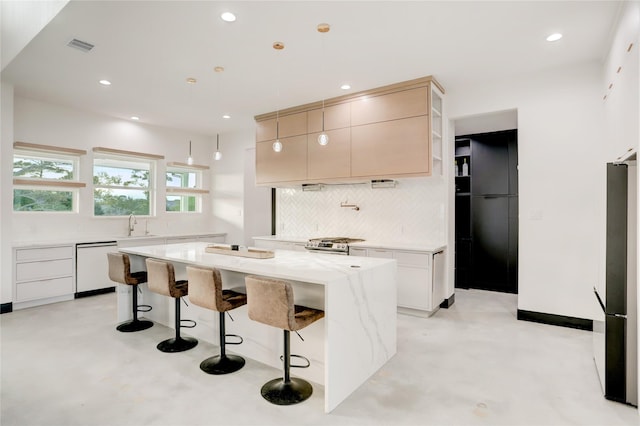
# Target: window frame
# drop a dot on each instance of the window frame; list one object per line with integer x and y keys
{"x": 48, "y": 152}
{"x": 119, "y": 156}
{"x": 196, "y": 192}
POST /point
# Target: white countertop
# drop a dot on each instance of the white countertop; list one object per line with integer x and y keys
{"x": 99, "y": 238}
{"x": 389, "y": 245}
{"x": 289, "y": 265}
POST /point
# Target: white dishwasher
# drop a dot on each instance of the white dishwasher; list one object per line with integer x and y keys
{"x": 92, "y": 268}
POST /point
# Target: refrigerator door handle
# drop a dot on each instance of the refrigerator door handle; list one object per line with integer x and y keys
{"x": 595, "y": 291}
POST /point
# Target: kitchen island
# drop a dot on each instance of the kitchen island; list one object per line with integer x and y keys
{"x": 356, "y": 337}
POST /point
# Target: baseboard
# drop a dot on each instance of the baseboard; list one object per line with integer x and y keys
{"x": 5, "y": 308}
{"x": 559, "y": 320}
{"x": 446, "y": 303}
{"x": 94, "y": 292}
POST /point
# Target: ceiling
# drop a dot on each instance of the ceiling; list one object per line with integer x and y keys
{"x": 148, "y": 49}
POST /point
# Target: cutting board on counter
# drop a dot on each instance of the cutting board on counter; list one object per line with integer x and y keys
{"x": 225, "y": 249}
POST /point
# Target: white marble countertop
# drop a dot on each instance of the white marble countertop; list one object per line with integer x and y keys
{"x": 388, "y": 245}
{"x": 99, "y": 238}
{"x": 289, "y": 265}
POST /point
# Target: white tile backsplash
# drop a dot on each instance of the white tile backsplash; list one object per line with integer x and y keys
{"x": 412, "y": 212}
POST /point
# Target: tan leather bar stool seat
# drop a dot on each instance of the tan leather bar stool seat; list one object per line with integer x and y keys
{"x": 271, "y": 302}
{"x": 205, "y": 290}
{"x": 161, "y": 279}
{"x": 120, "y": 272}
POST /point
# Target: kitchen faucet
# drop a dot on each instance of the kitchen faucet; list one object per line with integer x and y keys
{"x": 131, "y": 224}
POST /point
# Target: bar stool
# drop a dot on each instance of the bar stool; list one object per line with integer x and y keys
{"x": 205, "y": 290}
{"x": 162, "y": 280}
{"x": 120, "y": 272}
{"x": 271, "y": 302}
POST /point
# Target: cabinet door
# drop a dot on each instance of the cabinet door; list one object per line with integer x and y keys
{"x": 335, "y": 117}
{"x": 266, "y": 130}
{"x": 384, "y": 254}
{"x": 392, "y": 106}
{"x": 284, "y": 127}
{"x": 293, "y": 125}
{"x": 288, "y": 165}
{"x": 357, "y": 252}
{"x": 414, "y": 288}
{"x": 332, "y": 160}
{"x": 490, "y": 249}
{"x": 391, "y": 148}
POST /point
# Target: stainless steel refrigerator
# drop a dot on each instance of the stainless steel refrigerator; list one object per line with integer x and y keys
{"x": 615, "y": 328}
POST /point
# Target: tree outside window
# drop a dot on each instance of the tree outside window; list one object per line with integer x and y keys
{"x": 122, "y": 187}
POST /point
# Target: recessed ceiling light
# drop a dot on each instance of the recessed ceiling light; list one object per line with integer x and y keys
{"x": 105, "y": 82}
{"x": 226, "y": 116}
{"x": 191, "y": 80}
{"x": 228, "y": 17}
{"x": 218, "y": 69}
{"x": 136, "y": 118}
{"x": 554, "y": 37}
{"x": 345, "y": 87}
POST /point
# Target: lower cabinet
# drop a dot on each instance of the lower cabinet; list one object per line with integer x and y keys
{"x": 43, "y": 274}
{"x": 420, "y": 278}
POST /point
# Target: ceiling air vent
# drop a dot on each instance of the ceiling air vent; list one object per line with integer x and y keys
{"x": 80, "y": 45}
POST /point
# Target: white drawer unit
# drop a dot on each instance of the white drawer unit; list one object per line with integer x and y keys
{"x": 43, "y": 274}
{"x": 420, "y": 278}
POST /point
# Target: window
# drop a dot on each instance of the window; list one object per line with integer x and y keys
{"x": 45, "y": 178}
{"x": 122, "y": 183}
{"x": 184, "y": 188}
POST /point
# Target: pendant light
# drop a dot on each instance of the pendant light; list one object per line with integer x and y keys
{"x": 190, "y": 158}
{"x": 191, "y": 81}
{"x": 218, "y": 155}
{"x": 323, "y": 137}
{"x": 277, "y": 145}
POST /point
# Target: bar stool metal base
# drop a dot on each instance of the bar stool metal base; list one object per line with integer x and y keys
{"x": 134, "y": 325}
{"x": 222, "y": 364}
{"x": 179, "y": 344}
{"x": 279, "y": 392}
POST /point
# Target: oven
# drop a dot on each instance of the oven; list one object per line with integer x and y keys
{"x": 331, "y": 245}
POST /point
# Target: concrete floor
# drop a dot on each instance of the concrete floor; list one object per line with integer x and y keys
{"x": 473, "y": 364}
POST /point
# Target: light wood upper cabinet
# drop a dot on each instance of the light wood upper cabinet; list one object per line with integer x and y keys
{"x": 293, "y": 125}
{"x": 335, "y": 117}
{"x": 266, "y": 130}
{"x": 332, "y": 160}
{"x": 391, "y": 148}
{"x": 391, "y": 106}
{"x": 386, "y": 132}
{"x": 288, "y": 165}
{"x": 289, "y": 125}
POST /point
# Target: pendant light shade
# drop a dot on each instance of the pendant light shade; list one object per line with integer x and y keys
{"x": 218, "y": 155}
{"x": 277, "y": 145}
{"x": 323, "y": 138}
{"x": 190, "y": 158}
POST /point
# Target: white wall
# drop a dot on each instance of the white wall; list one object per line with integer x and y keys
{"x": 562, "y": 154}
{"x": 48, "y": 124}
{"x": 6, "y": 217}
{"x": 228, "y": 201}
